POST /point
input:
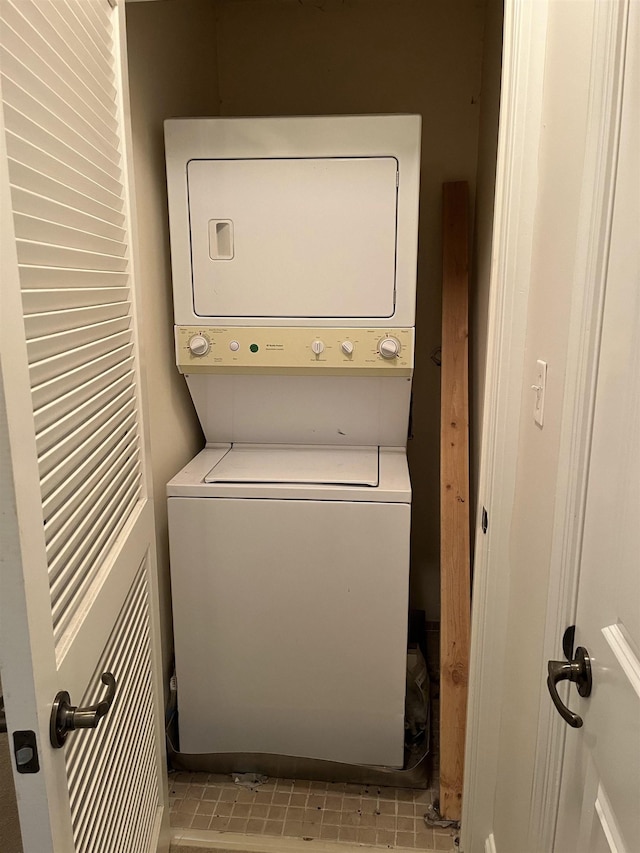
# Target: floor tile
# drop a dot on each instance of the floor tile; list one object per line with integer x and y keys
{"x": 372, "y": 815}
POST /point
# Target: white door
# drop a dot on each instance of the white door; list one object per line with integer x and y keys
{"x": 78, "y": 595}
{"x": 600, "y": 791}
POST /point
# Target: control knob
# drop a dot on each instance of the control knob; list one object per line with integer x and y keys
{"x": 389, "y": 347}
{"x": 199, "y": 345}
{"x": 346, "y": 347}
{"x": 317, "y": 347}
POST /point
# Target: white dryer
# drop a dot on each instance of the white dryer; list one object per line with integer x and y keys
{"x": 294, "y": 257}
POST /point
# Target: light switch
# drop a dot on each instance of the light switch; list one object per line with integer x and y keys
{"x": 539, "y": 387}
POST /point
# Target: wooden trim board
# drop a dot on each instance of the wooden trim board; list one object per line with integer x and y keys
{"x": 455, "y": 579}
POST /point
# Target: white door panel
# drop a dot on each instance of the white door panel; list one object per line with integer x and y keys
{"x": 600, "y": 796}
{"x": 78, "y": 575}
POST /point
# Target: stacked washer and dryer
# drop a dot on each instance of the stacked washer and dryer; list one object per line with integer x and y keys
{"x": 294, "y": 244}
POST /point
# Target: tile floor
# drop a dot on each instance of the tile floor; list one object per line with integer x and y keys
{"x": 359, "y": 814}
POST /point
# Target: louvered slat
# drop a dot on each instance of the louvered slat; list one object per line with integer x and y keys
{"x": 67, "y": 548}
{"x": 112, "y": 821}
{"x": 28, "y": 154}
{"x": 47, "y": 20}
{"x": 34, "y": 75}
{"x": 69, "y": 591}
{"x": 21, "y": 37}
{"x": 66, "y": 144}
{"x": 78, "y": 486}
{"x": 60, "y": 461}
{"x": 61, "y": 405}
{"x": 64, "y": 425}
{"x": 66, "y": 127}
{"x": 75, "y": 152}
{"x": 30, "y": 204}
{"x": 43, "y": 350}
{"x": 99, "y": 39}
{"x": 52, "y": 233}
{"x": 40, "y": 301}
{"x": 64, "y": 373}
{"x": 125, "y": 829}
{"x": 32, "y": 253}
{"x": 112, "y": 785}
{"x": 132, "y": 677}
{"x": 71, "y": 109}
{"x": 47, "y": 277}
{"x": 26, "y": 177}
{"x": 96, "y": 756}
{"x": 38, "y": 21}
{"x": 70, "y": 30}
{"x": 134, "y": 836}
{"x": 61, "y": 502}
{"x": 101, "y": 13}
{"x": 53, "y": 322}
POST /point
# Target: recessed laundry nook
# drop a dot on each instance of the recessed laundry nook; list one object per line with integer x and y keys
{"x": 291, "y": 167}
{"x": 292, "y": 268}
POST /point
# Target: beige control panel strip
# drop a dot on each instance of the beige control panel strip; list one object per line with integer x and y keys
{"x": 297, "y": 351}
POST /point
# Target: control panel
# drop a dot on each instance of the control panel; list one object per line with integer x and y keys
{"x": 299, "y": 350}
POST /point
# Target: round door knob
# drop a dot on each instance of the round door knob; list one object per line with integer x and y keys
{"x": 317, "y": 347}
{"x": 199, "y": 345}
{"x": 389, "y": 347}
{"x": 346, "y": 347}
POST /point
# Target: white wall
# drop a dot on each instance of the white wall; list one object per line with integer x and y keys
{"x": 284, "y": 57}
{"x": 172, "y": 72}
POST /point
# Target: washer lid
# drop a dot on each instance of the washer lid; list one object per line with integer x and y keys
{"x": 255, "y": 463}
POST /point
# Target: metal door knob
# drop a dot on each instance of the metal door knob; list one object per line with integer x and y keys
{"x": 67, "y": 718}
{"x": 577, "y": 670}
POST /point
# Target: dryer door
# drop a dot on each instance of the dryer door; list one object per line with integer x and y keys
{"x": 294, "y": 238}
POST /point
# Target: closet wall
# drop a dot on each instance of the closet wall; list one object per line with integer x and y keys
{"x": 291, "y": 57}
{"x": 172, "y": 71}
{"x": 483, "y": 231}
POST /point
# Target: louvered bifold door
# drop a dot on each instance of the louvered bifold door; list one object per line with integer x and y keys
{"x": 63, "y": 102}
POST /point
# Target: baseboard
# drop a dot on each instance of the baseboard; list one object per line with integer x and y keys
{"x": 490, "y": 844}
{"x": 196, "y": 840}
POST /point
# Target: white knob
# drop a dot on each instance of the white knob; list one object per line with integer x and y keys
{"x": 234, "y": 346}
{"x": 199, "y": 345}
{"x": 317, "y": 347}
{"x": 389, "y": 347}
{"x": 346, "y": 347}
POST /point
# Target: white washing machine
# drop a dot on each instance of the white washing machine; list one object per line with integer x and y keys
{"x": 291, "y": 606}
{"x": 294, "y": 254}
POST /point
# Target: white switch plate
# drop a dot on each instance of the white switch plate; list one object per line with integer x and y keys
{"x": 539, "y": 387}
